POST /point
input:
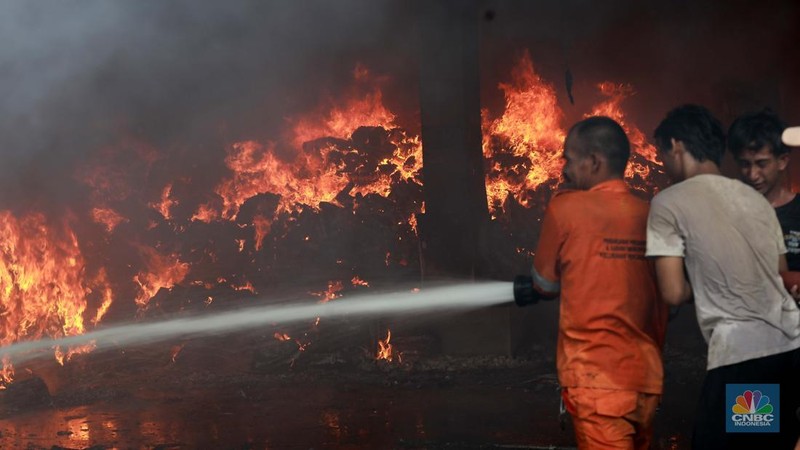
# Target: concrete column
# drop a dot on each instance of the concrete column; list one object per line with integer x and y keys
{"x": 455, "y": 193}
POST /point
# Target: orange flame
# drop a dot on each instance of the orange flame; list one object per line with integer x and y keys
{"x": 44, "y": 288}
{"x": 261, "y": 226}
{"x": 108, "y": 218}
{"x": 176, "y": 349}
{"x": 162, "y": 271}
{"x": 305, "y": 181}
{"x": 318, "y": 172}
{"x": 412, "y": 221}
{"x": 281, "y": 336}
{"x": 385, "y": 350}
{"x": 405, "y": 165}
{"x": 166, "y": 203}
{"x": 522, "y": 147}
{"x": 104, "y": 289}
{"x": 334, "y": 287}
{"x": 356, "y": 281}
{"x": 616, "y": 93}
{"x": 528, "y": 135}
{"x": 247, "y": 286}
{"x": 324, "y": 157}
{"x": 62, "y": 357}
{"x": 205, "y": 213}
{"x": 340, "y": 121}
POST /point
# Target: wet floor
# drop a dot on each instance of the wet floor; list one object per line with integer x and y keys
{"x": 296, "y": 417}
{"x": 218, "y": 393}
{"x": 326, "y": 410}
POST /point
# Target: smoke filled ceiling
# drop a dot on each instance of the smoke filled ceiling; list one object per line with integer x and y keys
{"x": 190, "y": 77}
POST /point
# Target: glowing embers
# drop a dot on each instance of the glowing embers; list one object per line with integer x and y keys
{"x": 46, "y": 288}
{"x": 357, "y": 281}
{"x": 333, "y": 292}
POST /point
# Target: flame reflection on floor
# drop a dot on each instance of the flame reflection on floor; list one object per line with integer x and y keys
{"x": 240, "y": 391}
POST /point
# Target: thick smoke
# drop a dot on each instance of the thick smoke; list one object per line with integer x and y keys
{"x": 106, "y": 103}
{"x": 188, "y": 75}
{"x": 192, "y": 76}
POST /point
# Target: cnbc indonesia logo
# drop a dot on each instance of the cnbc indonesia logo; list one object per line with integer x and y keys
{"x": 752, "y": 410}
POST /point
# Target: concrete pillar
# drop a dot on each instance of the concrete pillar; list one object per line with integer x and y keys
{"x": 454, "y": 189}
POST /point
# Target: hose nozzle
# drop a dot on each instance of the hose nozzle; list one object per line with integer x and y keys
{"x": 524, "y": 294}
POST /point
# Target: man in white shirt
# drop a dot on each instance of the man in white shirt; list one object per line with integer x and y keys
{"x": 725, "y": 237}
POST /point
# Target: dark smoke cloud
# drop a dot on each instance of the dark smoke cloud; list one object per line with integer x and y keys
{"x": 192, "y": 76}
{"x": 75, "y": 75}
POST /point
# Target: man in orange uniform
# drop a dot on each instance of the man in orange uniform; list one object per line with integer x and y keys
{"x": 612, "y": 323}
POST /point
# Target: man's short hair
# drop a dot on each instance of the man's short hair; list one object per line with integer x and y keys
{"x": 605, "y": 136}
{"x": 698, "y": 129}
{"x": 756, "y": 130}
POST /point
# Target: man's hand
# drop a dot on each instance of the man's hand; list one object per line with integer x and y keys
{"x": 672, "y": 283}
{"x": 795, "y": 292}
{"x": 791, "y": 281}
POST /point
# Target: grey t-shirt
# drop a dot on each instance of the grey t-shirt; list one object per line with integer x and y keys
{"x": 731, "y": 241}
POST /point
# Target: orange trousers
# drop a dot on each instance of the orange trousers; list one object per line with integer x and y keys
{"x": 611, "y": 419}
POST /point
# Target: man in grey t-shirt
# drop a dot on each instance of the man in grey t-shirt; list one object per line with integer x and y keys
{"x": 726, "y": 238}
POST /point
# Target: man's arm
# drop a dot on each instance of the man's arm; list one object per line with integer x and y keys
{"x": 546, "y": 289}
{"x": 546, "y": 270}
{"x": 672, "y": 283}
{"x": 666, "y": 245}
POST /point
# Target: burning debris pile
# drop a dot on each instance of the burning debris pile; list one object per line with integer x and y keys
{"x": 340, "y": 194}
{"x": 522, "y": 149}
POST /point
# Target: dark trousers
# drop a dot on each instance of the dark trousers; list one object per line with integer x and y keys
{"x": 712, "y": 410}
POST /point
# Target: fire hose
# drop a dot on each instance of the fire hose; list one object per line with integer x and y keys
{"x": 524, "y": 293}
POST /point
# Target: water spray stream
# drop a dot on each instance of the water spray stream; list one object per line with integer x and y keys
{"x": 443, "y": 298}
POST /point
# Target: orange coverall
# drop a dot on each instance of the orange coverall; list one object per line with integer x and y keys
{"x": 612, "y": 323}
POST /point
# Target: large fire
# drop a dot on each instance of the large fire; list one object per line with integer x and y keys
{"x": 327, "y": 163}
{"x": 45, "y": 286}
{"x": 347, "y": 168}
{"x": 522, "y": 146}
{"x": 616, "y": 93}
